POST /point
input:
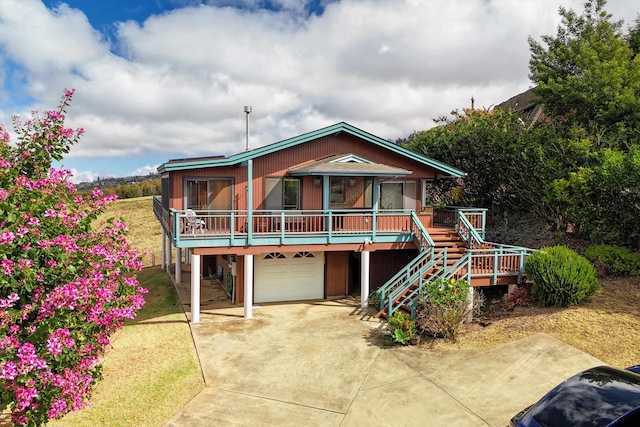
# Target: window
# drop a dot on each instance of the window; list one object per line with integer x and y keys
{"x": 336, "y": 195}
{"x": 165, "y": 191}
{"x": 304, "y": 255}
{"x": 282, "y": 193}
{"x": 208, "y": 194}
{"x": 275, "y": 255}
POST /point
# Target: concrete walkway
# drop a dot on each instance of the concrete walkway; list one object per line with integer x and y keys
{"x": 322, "y": 364}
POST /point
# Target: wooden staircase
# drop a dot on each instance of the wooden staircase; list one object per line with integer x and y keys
{"x": 443, "y": 237}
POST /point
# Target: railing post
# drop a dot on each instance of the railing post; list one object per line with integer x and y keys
{"x": 282, "y": 227}
{"x": 374, "y": 223}
{"x": 232, "y": 226}
{"x": 522, "y": 255}
{"x": 330, "y": 225}
{"x": 496, "y": 255}
{"x": 484, "y": 223}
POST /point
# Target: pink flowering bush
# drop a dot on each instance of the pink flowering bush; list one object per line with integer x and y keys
{"x": 64, "y": 287}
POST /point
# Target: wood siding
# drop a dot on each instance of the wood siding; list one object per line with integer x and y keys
{"x": 278, "y": 164}
{"x": 336, "y": 273}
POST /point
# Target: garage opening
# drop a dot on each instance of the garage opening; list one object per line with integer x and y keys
{"x": 288, "y": 276}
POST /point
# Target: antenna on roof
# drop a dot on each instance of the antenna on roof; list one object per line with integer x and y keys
{"x": 472, "y": 102}
{"x": 247, "y": 109}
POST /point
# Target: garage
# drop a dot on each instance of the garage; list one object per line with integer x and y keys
{"x": 288, "y": 276}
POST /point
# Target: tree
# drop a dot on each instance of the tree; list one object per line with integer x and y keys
{"x": 589, "y": 74}
{"x": 633, "y": 37}
{"x": 64, "y": 287}
{"x": 509, "y": 166}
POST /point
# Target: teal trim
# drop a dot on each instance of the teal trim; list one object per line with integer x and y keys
{"x": 249, "y": 201}
{"x": 289, "y": 239}
{"x": 310, "y": 136}
{"x": 325, "y": 193}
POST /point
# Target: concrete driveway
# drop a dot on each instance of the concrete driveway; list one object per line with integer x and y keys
{"x": 322, "y": 364}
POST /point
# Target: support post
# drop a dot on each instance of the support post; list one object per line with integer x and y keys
{"x": 470, "y": 305}
{"x": 163, "y": 263}
{"x": 169, "y": 258}
{"x": 179, "y": 265}
{"x": 248, "y": 286}
{"x": 364, "y": 279}
{"x": 195, "y": 288}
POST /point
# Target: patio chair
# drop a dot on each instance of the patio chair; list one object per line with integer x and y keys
{"x": 217, "y": 275}
{"x": 193, "y": 223}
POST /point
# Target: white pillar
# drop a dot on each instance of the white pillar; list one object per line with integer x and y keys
{"x": 179, "y": 265}
{"x": 195, "y": 288}
{"x": 163, "y": 262}
{"x": 248, "y": 286}
{"x": 364, "y": 279}
{"x": 168, "y": 257}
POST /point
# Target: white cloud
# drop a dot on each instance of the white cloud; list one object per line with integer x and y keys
{"x": 145, "y": 170}
{"x": 386, "y": 66}
{"x": 81, "y": 176}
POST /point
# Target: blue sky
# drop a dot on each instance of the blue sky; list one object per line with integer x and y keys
{"x": 161, "y": 79}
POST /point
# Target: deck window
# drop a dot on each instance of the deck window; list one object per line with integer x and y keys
{"x": 208, "y": 194}
{"x": 351, "y": 192}
{"x": 282, "y": 194}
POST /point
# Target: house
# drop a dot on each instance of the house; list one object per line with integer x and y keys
{"x": 322, "y": 215}
{"x": 527, "y": 104}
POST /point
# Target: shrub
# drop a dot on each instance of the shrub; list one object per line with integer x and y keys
{"x": 64, "y": 287}
{"x": 614, "y": 260}
{"x": 443, "y": 306}
{"x": 560, "y": 277}
{"x": 520, "y": 296}
{"x": 402, "y": 326}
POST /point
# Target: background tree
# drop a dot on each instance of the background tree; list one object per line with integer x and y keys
{"x": 64, "y": 288}
{"x": 589, "y": 74}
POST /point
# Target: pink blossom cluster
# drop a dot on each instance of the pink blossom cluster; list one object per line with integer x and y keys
{"x": 66, "y": 288}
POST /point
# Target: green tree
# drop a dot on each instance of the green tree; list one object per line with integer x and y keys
{"x": 509, "y": 167}
{"x": 589, "y": 74}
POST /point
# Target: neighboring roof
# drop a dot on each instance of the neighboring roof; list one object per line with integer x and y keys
{"x": 310, "y": 136}
{"x": 347, "y": 165}
{"x": 526, "y": 103}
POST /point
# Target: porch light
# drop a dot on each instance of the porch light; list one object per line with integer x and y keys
{"x": 352, "y": 182}
{"x": 317, "y": 181}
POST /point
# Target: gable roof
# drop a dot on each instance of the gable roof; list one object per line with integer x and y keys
{"x": 347, "y": 165}
{"x": 306, "y": 137}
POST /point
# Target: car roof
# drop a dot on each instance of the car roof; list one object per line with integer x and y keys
{"x": 595, "y": 397}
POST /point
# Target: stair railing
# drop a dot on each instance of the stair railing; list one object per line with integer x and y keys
{"x": 428, "y": 273}
{"x": 426, "y": 246}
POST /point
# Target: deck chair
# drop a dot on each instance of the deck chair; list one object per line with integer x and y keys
{"x": 193, "y": 223}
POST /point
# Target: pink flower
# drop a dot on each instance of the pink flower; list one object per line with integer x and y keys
{"x": 7, "y": 266}
{"x": 6, "y": 237}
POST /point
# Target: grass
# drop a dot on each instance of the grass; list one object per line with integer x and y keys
{"x": 145, "y": 233}
{"x": 152, "y": 371}
{"x": 606, "y": 327}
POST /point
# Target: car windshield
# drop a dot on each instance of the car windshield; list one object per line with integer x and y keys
{"x": 592, "y": 398}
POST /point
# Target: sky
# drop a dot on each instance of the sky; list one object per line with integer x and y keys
{"x": 164, "y": 79}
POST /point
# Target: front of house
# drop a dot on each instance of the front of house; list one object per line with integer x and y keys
{"x": 322, "y": 215}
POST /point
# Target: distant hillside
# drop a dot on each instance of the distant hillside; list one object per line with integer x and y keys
{"x": 112, "y": 182}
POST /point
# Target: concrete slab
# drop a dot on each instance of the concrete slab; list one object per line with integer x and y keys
{"x": 322, "y": 363}
{"x": 496, "y": 382}
{"x": 410, "y": 402}
{"x": 308, "y": 354}
{"x": 215, "y": 407}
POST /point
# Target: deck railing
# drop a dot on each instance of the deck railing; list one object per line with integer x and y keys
{"x": 237, "y": 227}
{"x": 448, "y": 217}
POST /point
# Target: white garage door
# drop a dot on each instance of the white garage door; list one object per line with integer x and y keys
{"x": 288, "y": 276}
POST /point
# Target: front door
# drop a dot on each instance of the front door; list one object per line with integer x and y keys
{"x": 391, "y": 195}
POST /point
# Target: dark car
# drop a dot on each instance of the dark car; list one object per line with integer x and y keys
{"x": 601, "y": 396}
